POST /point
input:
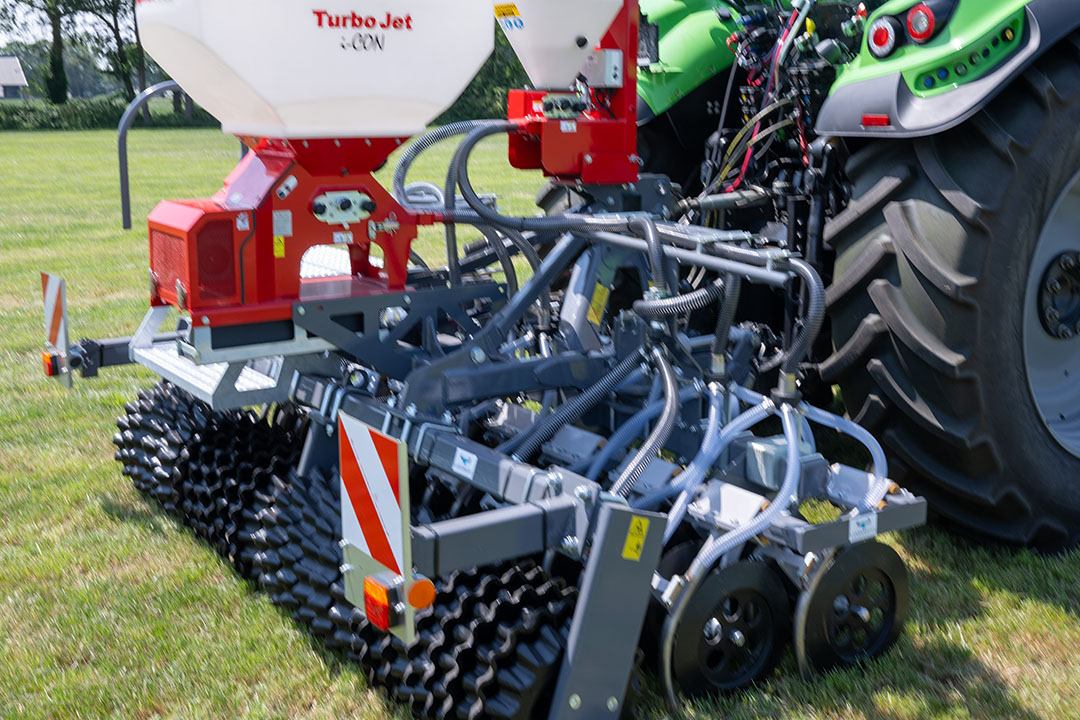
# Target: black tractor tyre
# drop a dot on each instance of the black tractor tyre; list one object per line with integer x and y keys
{"x": 928, "y": 308}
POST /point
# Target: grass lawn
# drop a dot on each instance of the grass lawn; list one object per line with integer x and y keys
{"x": 108, "y": 608}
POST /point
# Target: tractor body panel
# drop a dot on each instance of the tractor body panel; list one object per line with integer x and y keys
{"x": 693, "y": 50}
{"x": 921, "y": 90}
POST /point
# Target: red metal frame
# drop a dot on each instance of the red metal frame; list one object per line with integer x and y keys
{"x": 231, "y": 255}
{"x": 235, "y": 258}
{"x": 595, "y": 148}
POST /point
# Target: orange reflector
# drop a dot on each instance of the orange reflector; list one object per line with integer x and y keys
{"x": 51, "y": 366}
{"x": 422, "y": 594}
{"x": 377, "y": 603}
{"x": 876, "y": 121}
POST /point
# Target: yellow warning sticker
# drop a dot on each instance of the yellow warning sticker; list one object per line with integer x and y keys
{"x": 506, "y": 10}
{"x": 635, "y": 539}
{"x": 599, "y": 303}
{"x": 279, "y": 247}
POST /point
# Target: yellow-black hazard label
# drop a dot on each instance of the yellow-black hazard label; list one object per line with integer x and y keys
{"x": 279, "y": 247}
{"x": 506, "y": 10}
{"x": 599, "y": 303}
{"x": 635, "y": 539}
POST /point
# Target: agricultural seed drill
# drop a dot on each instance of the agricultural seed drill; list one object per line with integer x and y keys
{"x": 493, "y": 492}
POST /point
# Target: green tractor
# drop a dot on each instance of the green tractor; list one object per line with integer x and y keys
{"x": 934, "y": 152}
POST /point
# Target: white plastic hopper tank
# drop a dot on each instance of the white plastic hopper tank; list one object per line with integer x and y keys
{"x": 553, "y": 38}
{"x": 336, "y": 68}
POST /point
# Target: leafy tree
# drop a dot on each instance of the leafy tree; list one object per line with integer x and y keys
{"x": 486, "y": 95}
{"x": 57, "y": 13}
{"x": 85, "y": 77}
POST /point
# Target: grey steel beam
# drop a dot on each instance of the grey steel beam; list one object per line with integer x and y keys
{"x": 493, "y": 536}
{"x": 614, "y": 595}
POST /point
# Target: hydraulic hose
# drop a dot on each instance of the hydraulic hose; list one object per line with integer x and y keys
{"x": 661, "y": 274}
{"x": 483, "y": 128}
{"x": 815, "y": 315}
{"x": 421, "y": 145}
{"x": 700, "y": 465}
{"x": 732, "y": 430}
{"x": 714, "y": 550}
{"x": 688, "y": 237}
{"x": 725, "y": 317}
{"x": 851, "y": 429}
{"x": 680, "y": 304}
{"x": 483, "y": 214}
{"x": 660, "y": 434}
{"x": 570, "y": 411}
{"x": 629, "y": 430}
{"x": 495, "y": 242}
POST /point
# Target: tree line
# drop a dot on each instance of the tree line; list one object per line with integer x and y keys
{"x": 103, "y": 31}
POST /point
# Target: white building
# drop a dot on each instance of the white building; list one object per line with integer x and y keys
{"x": 12, "y": 79}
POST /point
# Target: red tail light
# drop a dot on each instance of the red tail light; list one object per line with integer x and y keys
{"x": 883, "y": 36}
{"x": 921, "y": 23}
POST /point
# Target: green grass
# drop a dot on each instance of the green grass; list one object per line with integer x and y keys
{"x": 108, "y": 608}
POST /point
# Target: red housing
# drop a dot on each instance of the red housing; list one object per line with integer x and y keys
{"x": 235, "y": 258}
{"x": 595, "y": 149}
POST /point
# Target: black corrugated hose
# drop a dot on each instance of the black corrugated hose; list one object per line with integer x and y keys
{"x": 660, "y": 434}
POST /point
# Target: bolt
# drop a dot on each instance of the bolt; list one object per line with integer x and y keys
{"x": 582, "y": 492}
{"x": 407, "y": 300}
{"x": 575, "y": 701}
{"x": 447, "y": 417}
{"x": 301, "y": 311}
{"x": 345, "y": 569}
{"x": 570, "y": 544}
{"x": 1054, "y": 286}
{"x": 612, "y": 704}
{"x": 737, "y": 638}
{"x": 1052, "y": 314}
{"x": 205, "y": 320}
{"x": 1067, "y": 262}
{"x": 1065, "y": 332}
{"x": 411, "y": 410}
{"x": 478, "y": 355}
{"x": 588, "y": 159}
{"x": 861, "y": 613}
{"x": 712, "y": 630}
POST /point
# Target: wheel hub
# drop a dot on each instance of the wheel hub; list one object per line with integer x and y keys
{"x": 1051, "y": 327}
{"x": 1059, "y": 297}
{"x": 733, "y": 630}
{"x": 854, "y": 608}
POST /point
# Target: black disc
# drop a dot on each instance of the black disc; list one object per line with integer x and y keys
{"x": 853, "y": 610}
{"x": 733, "y": 630}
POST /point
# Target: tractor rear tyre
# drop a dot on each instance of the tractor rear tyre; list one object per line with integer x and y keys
{"x": 955, "y": 309}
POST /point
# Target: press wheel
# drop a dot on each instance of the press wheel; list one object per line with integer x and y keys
{"x": 853, "y": 610}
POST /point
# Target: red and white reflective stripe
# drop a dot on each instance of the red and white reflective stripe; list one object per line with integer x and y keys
{"x": 52, "y": 288}
{"x": 371, "y": 475}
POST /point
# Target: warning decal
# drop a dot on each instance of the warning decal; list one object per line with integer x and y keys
{"x": 635, "y": 539}
{"x": 506, "y": 10}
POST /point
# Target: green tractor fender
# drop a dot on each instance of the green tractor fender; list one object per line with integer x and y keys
{"x": 693, "y": 50}
{"x": 922, "y": 90}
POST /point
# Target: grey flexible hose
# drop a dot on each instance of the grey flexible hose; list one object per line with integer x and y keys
{"x": 699, "y": 466}
{"x": 555, "y": 223}
{"x": 714, "y": 550}
{"x": 660, "y": 434}
{"x": 495, "y": 242}
{"x": 728, "y": 306}
{"x": 661, "y": 274}
{"x": 851, "y": 429}
{"x": 679, "y": 304}
{"x": 619, "y": 441}
{"x": 732, "y": 430}
{"x": 421, "y": 145}
{"x": 530, "y": 441}
{"x": 692, "y": 238}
